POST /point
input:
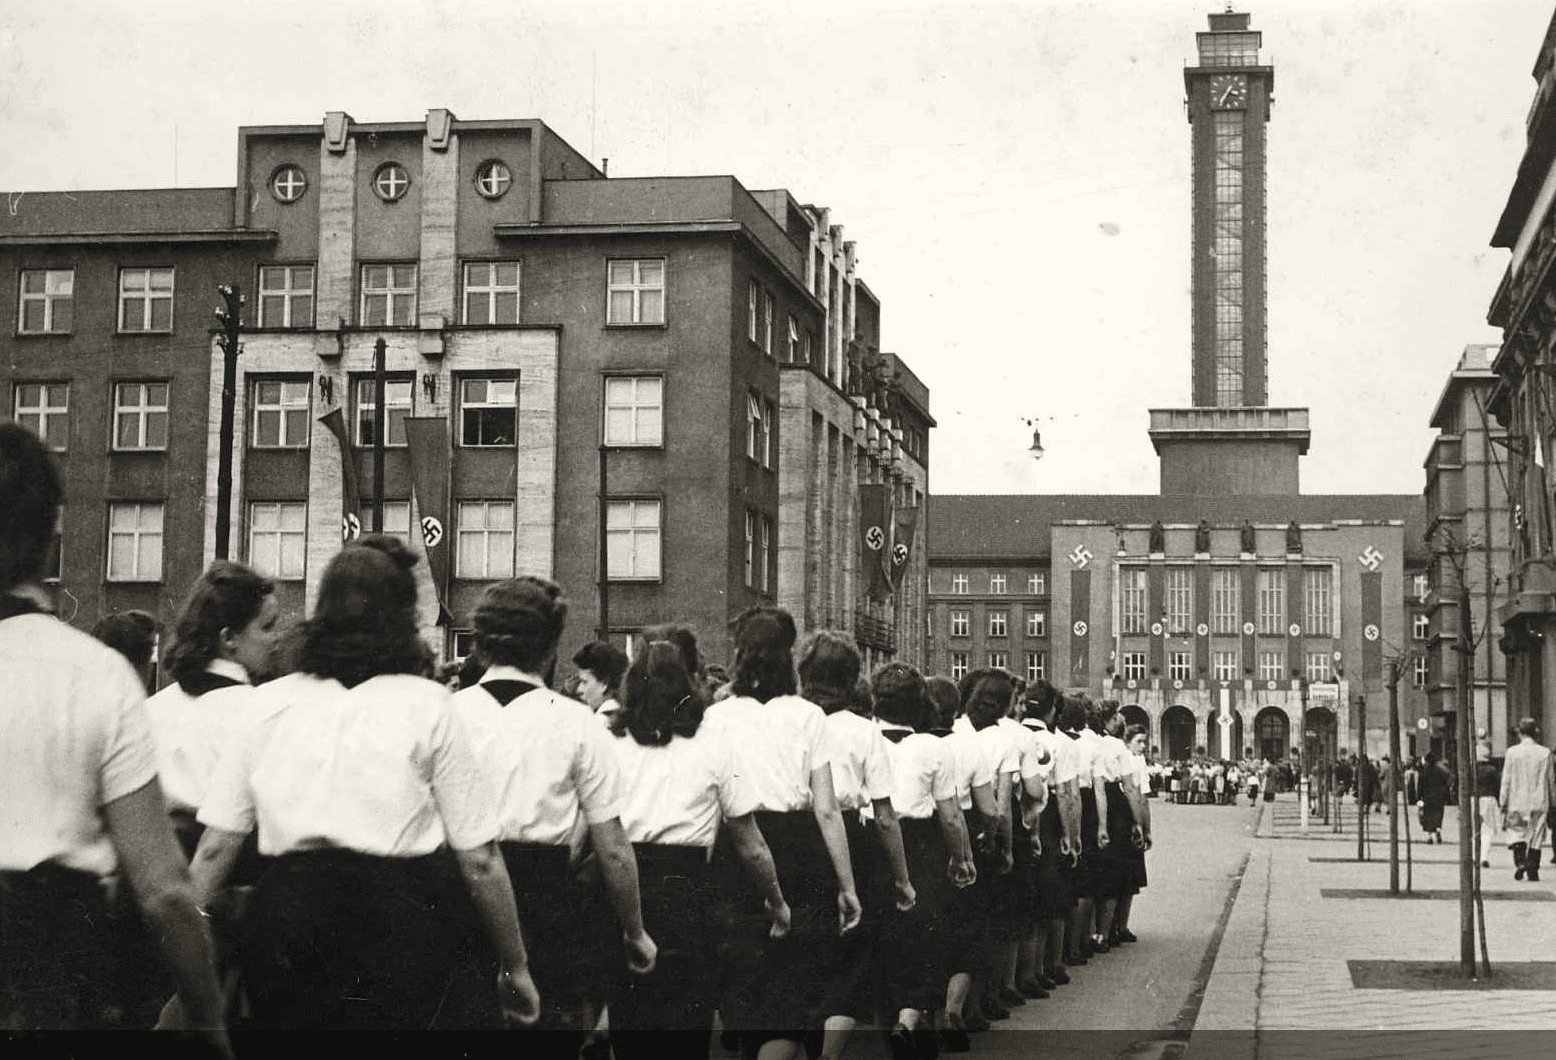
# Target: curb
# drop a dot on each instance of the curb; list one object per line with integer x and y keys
{"x": 1231, "y": 997}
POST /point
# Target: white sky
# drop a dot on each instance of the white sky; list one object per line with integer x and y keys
{"x": 975, "y": 152}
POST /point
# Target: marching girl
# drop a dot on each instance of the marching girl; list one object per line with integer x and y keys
{"x": 358, "y": 780}
{"x": 1029, "y": 794}
{"x": 779, "y": 988}
{"x": 1058, "y": 846}
{"x": 1074, "y": 718}
{"x": 555, "y": 773}
{"x": 1121, "y": 834}
{"x": 79, "y": 798}
{"x": 678, "y": 781}
{"x": 862, "y": 781}
{"x": 914, "y": 955}
{"x": 1135, "y": 740}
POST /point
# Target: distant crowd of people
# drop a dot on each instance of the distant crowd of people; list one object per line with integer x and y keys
{"x": 1218, "y": 782}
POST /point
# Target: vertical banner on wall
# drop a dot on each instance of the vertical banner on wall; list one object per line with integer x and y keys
{"x": 426, "y": 439}
{"x": 1155, "y": 613}
{"x": 904, "y": 523}
{"x": 1080, "y": 627}
{"x": 1250, "y": 618}
{"x": 1295, "y": 616}
{"x": 875, "y": 539}
{"x": 1202, "y": 620}
{"x": 1372, "y": 627}
{"x": 350, "y": 492}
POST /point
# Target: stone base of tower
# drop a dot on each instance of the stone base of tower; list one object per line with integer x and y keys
{"x": 1250, "y": 451}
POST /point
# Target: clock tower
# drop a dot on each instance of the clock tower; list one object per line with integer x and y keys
{"x": 1230, "y": 441}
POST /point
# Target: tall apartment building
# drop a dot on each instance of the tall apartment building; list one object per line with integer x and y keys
{"x": 676, "y": 364}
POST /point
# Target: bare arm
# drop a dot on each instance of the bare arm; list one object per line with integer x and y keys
{"x": 1070, "y": 816}
{"x": 141, "y": 835}
{"x": 1137, "y": 808}
{"x": 891, "y": 838}
{"x": 953, "y": 826}
{"x": 486, "y": 876}
{"x": 619, "y": 867}
{"x": 1099, "y": 789}
{"x": 754, "y": 852}
{"x": 830, "y": 819}
{"x": 213, "y": 861}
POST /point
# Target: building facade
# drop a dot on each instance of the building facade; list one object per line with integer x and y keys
{"x": 600, "y": 359}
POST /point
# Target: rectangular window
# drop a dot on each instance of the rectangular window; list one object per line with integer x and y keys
{"x": 1318, "y": 666}
{"x": 47, "y": 301}
{"x": 769, "y": 443}
{"x": 632, "y": 530}
{"x": 1179, "y": 665}
{"x": 397, "y": 518}
{"x": 997, "y": 584}
{"x": 958, "y": 665}
{"x": 1037, "y": 624}
{"x": 764, "y": 553}
{"x": 756, "y": 437}
{"x": 752, "y": 293}
{"x": 1180, "y": 600}
{"x": 286, "y": 296}
{"x": 998, "y": 621}
{"x": 1272, "y": 666}
{"x": 488, "y": 412}
{"x": 280, "y": 413}
{"x": 636, "y": 292}
{"x": 44, "y": 409}
{"x": 1226, "y": 602}
{"x": 1420, "y": 671}
{"x": 1225, "y": 663}
{"x": 464, "y": 644}
{"x": 1035, "y": 585}
{"x": 767, "y": 323}
{"x": 485, "y": 543}
{"x": 145, "y": 299}
{"x": 1421, "y": 585}
{"x": 959, "y": 584}
{"x": 492, "y": 292}
{"x": 388, "y": 296}
{"x": 961, "y": 623}
{"x": 999, "y": 660}
{"x": 278, "y": 538}
{"x": 140, "y": 416}
{"x": 1420, "y": 627}
{"x": 1272, "y": 601}
{"x": 1318, "y": 602}
{"x": 1037, "y": 666}
{"x": 135, "y": 542}
{"x": 750, "y": 549}
{"x": 634, "y": 410}
{"x": 397, "y": 406}
{"x": 1133, "y": 666}
{"x": 1131, "y": 597}
{"x": 794, "y": 341}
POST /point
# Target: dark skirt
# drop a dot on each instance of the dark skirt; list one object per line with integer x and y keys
{"x": 567, "y": 930}
{"x": 71, "y": 956}
{"x": 1116, "y": 864}
{"x": 1085, "y": 876}
{"x": 336, "y": 939}
{"x": 1431, "y": 816}
{"x": 670, "y": 1011}
{"x": 785, "y": 988}
{"x": 1052, "y": 890}
{"x": 917, "y": 949}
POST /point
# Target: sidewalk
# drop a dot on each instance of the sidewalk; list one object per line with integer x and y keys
{"x": 1285, "y": 961}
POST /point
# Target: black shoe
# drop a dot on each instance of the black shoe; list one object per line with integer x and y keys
{"x": 900, "y": 1043}
{"x": 1075, "y": 959}
{"x": 1011, "y": 998}
{"x": 995, "y": 1011}
{"x": 974, "y": 1021}
{"x": 1034, "y": 989}
{"x": 1125, "y": 935}
{"x": 1060, "y": 977}
{"x": 1099, "y": 945}
{"x": 926, "y": 1046}
{"x": 1485, "y": 864}
{"x": 954, "y": 1034}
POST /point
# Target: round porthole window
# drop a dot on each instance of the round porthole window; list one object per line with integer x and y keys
{"x": 492, "y": 179}
{"x": 391, "y": 182}
{"x": 288, "y": 183}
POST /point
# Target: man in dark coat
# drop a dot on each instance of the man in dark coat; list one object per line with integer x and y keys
{"x": 1432, "y": 792}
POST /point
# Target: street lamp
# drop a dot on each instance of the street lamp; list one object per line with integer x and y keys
{"x": 1036, "y": 448}
{"x": 230, "y": 314}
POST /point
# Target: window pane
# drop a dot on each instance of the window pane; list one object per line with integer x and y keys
{"x": 618, "y": 426}
{"x": 267, "y": 428}
{"x": 295, "y": 516}
{"x": 58, "y": 434}
{"x": 621, "y": 307}
{"x": 128, "y": 435}
{"x": 32, "y": 316}
{"x": 375, "y": 310}
{"x": 59, "y": 394}
{"x": 500, "y": 555}
{"x": 264, "y": 552}
{"x": 402, "y": 312}
{"x": 292, "y": 552}
{"x": 649, "y": 427}
{"x": 620, "y": 272}
{"x": 161, "y": 314}
{"x": 507, "y": 274}
{"x": 499, "y": 516}
{"x": 478, "y": 307}
{"x": 134, "y": 314}
{"x": 375, "y": 276}
{"x": 121, "y": 517}
{"x": 265, "y": 517}
{"x": 156, "y": 430}
{"x": 474, "y": 390}
{"x": 507, "y": 308}
{"x": 404, "y": 276}
{"x": 297, "y": 427}
{"x": 121, "y": 555}
{"x": 651, "y": 273}
{"x": 149, "y": 558}
{"x": 478, "y": 275}
{"x": 161, "y": 279}
{"x": 653, "y": 307}
{"x": 267, "y": 393}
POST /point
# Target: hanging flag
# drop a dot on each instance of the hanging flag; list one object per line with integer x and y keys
{"x": 350, "y": 493}
{"x": 426, "y": 439}
{"x": 904, "y": 522}
{"x": 874, "y": 537}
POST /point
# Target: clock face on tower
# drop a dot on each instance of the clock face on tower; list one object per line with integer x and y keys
{"x": 1228, "y": 92}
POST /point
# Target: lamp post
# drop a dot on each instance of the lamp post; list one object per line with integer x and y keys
{"x": 1036, "y": 448}
{"x": 230, "y": 315}
{"x": 380, "y": 429}
{"x": 1302, "y": 782}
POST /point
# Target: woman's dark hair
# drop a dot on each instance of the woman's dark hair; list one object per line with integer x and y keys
{"x": 364, "y": 623}
{"x": 227, "y": 596}
{"x": 1131, "y": 731}
{"x": 684, "y": 640}
{"x": 518, "y": 622}
{"x": 605, "y": 661}
{"x": 764, "y": 654}
{"x": 944, "y": 700}
{"x": 1072, "y": 716}
{"x": 1098, "y": 714}
{"x": 902, "y": 697}
{"x": 133, "y": 634}
{"x": 829, "y": 670}
{"x": 862, "y": 702}
{"x": 659, "y": 699}
{"x": 1042, "y": 700}
{"x": 986, "y": 715}
{"x": 30, "y": 493}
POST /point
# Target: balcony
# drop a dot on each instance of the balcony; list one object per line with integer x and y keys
{"x": 872, "y": 632}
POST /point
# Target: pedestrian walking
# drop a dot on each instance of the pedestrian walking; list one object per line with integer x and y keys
{"x": 1488, "y": 786}
{"x": 361, "y": 781}
{"x": 80, "y": 806}
{"x": 1528, "y": 792}
{"x": 1432, "y": 789}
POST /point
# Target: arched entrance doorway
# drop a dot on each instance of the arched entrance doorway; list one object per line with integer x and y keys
{"x": 1322, "y": 735}
{"x": 1178, "y": 733}
{"x": 1232, "y": 748}
{"x": 1271, "y": 734}
{"x": 1134, "y": 714}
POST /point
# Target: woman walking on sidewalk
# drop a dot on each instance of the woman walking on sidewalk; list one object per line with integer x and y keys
{"x": 1528, "y": 789}
{"x": 1433, "y": 792}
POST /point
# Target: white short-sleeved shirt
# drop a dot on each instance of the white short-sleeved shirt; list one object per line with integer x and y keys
{"x": 677, "y": 794}
{"x": 191, "y": 732}
{"x": 1089, "y": 746}
{"x": 1063, "y": 756}
{"x": 73, "y": 738}
{"x": 923, "y": 773}
{"x": 970, "y": 767}
{"x": 1114, "y": 760}
{"x": 1028, "y": 751}
{"x": 548, "y": 758}
{"x": 777, "y": 745}
{"x": 1143, "y": 773}
{"x": 861, "y": 760}
{"x": 384, "y": 768}
{"x": 607, "y": 712}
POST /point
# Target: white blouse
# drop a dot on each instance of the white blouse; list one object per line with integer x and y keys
{"x": 384, "y": 768}
{"x": 1114, "y": 760}
{"x": 970, "y": 767}
{"x": 1089, "y": 746}
{"x": 548, "y": 759}
{"x": 861, "y": 762}
{"x": 1063, "y": 755}
{"x": 921, "y": 764}
{"x": 777, "y": 745}
{"x": 75, "y": 739}
{"x": 191, "y": 732}
{"x": 677, "y": 794}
